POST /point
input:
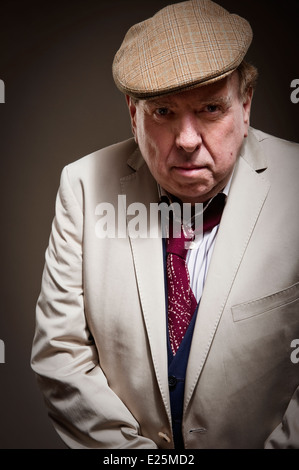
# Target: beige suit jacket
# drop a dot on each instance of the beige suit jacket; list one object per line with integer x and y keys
{"x": 100, "y": 351}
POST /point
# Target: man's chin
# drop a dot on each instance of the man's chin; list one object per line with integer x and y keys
{"x": 194, "y": 197}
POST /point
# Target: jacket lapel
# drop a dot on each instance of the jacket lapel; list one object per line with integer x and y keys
{"x": 247, "y": 195}
{"x": 147, "y": 253}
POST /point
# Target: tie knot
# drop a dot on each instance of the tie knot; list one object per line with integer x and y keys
{"x": 177, "y": 242}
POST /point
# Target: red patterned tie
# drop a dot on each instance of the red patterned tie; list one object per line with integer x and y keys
{"x": 181, "y": 300}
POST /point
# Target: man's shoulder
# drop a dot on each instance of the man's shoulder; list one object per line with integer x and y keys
{"x": 264, "y": 150}
{"x": 276, "y": 143}
{"x": 114, "y": 158}
{"x": 276, "y": 159}
{"x": 100, "y": 173}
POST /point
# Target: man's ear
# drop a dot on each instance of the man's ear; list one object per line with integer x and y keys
{"x": 246, "y": 110}
{"x": 132, "y": 111}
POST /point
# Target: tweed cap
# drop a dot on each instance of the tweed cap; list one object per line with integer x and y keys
{"x": 182, "y": 46}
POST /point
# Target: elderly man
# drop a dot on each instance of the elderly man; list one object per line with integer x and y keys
{"x": 152, "y": 342}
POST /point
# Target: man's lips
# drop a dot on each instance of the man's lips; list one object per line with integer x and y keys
{"x": 189, "y": 170}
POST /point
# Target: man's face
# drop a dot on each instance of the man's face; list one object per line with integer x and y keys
{"x": 191, "y": 140}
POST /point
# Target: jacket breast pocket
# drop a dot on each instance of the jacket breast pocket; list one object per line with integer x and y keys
{"x": 285, "y": 299}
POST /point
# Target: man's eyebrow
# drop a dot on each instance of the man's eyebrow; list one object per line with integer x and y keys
{"x": 160, "y": 103}
{"x": 215, "y": 100}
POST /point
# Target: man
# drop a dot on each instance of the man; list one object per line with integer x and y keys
{"x": 107, "y": 352}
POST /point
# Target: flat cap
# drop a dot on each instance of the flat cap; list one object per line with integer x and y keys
{"x": 182, "y": 46}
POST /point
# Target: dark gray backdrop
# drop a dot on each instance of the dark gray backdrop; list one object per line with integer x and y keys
{"x": 61, "y": 104}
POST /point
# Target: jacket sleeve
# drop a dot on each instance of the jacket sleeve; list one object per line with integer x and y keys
{"x": 286, "y": 434}
{"x": 85, "y": 412}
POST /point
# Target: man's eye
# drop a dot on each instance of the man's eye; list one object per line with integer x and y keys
{"x": 212, "y": 108}
{"x": 162, "y": 111}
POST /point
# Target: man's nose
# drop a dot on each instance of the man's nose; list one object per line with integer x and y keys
{"x": 188, "y": 136}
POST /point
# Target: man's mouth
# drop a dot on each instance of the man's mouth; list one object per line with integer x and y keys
{"x": 189, "y": 170}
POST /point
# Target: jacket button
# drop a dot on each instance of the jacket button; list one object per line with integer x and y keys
{"x": 172, "y": 381}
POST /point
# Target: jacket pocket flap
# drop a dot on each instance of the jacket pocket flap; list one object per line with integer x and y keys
{"x": 265, "y": 304}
